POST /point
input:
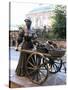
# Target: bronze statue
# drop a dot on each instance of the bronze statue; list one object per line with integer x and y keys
{"x": 25, "y": 36}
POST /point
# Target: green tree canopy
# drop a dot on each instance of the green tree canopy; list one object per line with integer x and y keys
{"x": 59, "y": 22}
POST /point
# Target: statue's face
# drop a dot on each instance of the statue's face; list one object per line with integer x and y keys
{"x": 28, "y": 23}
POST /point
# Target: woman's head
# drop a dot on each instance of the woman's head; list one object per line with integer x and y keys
{"x": 28, "y": 22}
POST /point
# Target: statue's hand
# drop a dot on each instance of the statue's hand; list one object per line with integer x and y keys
{"x": 16, "y": 49}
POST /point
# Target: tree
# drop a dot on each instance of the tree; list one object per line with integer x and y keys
{"x": 59, "y": 22}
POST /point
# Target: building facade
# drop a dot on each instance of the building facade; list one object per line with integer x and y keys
{"x": 41, "y": 17}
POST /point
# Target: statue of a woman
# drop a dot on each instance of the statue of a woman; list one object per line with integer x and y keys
{"x": 25, "y": 36}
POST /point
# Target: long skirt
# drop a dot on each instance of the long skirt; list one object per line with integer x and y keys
{"x": 21, "y": 70}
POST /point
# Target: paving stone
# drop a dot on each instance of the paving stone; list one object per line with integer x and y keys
{"x": 53, "y": 79}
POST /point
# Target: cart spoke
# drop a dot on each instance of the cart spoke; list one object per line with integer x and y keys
{"x": 51, "y": 67}
{"x": 35, "y": 57}
{"x": 30, "y": 63}
{"x": 38, "y": 77}
{"x": 33, "y": 76}
{"x": 30, "y": 68}
{"x": 43, "y": 73}
{"x": 31, "y": 72}
{"x": 56, "y": 66}
{"x": 41, "y": 65}
{"x": 38, "y": 61}
{"x": 33, "y": 60}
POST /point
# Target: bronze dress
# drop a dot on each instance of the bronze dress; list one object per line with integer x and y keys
{"x": 27, "y": 44}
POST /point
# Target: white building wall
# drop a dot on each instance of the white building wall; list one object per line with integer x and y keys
{"x": 41, "y": 19}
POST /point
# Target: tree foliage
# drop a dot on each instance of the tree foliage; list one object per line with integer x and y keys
{"x": 59, "y": 22}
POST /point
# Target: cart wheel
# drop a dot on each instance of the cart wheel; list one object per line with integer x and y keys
{"x": 35, "y": 69}
{"x": 54, "y": 65}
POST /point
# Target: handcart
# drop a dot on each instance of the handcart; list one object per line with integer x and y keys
{"x": 39, "y": 63}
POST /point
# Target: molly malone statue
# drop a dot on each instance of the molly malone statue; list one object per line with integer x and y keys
{"x": 25, "y": 36}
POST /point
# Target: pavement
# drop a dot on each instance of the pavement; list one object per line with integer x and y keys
{"x": 53, "y": 79}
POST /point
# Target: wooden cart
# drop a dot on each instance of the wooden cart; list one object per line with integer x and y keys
{"x": 39, "y": 64}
